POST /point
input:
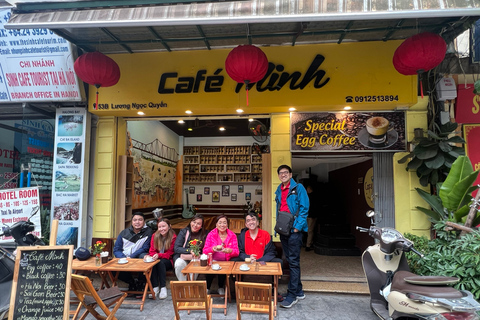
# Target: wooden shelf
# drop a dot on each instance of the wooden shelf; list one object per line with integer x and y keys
{"x": 221, "y": 164}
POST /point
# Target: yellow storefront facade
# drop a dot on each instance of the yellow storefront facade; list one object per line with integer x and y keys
{"x": 309, "y": 78}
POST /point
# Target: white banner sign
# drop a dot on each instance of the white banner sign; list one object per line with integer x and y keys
{"x": 18, "y": 205}
{"x": 35, "y": 65}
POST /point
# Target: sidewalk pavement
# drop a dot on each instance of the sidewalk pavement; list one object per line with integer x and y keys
{"x": 316, "y": 305}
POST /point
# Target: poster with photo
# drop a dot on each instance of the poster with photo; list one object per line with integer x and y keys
{"x": 248, "y": 196}
{"x": 240, "y": 188}
{"x": 206, "y": 190}
{"x": 225, "y": 191}
{"x": 234, "y": 197}
{"x": 199, "y": 197}
{"x": 215, "y": 196}
{"x": 69, "y": 175}
{"x": 191, "y": 190}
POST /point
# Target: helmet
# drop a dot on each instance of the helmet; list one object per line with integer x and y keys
{"x": 82, "y": 253}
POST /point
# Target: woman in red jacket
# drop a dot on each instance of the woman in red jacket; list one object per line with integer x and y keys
{"x": 161, "y": 247}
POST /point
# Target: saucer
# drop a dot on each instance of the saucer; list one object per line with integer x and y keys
{"x": 147, "y": 261}
{"x": 216, "y": 269}
{"x": 363, "y": 138}
{"x": 122, "y": 262}
{"x": 244, "y": 267}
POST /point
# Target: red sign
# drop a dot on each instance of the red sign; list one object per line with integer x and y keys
{"x": 472, "y": 138}
{"x": 468, "y": 105}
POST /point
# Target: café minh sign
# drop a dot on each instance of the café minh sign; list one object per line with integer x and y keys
{"x": 164, "y": 84}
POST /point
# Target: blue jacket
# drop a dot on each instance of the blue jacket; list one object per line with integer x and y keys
{"x": 297, "y": 199}
{"x": 134, "y": 245}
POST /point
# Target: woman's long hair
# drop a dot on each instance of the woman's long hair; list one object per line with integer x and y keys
{"x": 160, "y": 242}
{"x": 203, "y": 231}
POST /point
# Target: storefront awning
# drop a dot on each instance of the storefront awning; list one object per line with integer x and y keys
{"x": 129, "y": 26}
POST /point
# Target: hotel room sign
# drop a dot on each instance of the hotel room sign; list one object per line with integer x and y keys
{"x": 350, "y": 132}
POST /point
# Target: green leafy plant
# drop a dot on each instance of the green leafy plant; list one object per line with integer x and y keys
{"x": 449, "y": 256}
{"x": 454, "y": 198}
{"x": 433, "y": 155}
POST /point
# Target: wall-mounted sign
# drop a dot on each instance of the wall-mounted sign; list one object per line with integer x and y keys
{"x": 352, "y": 132}
{"x": 35, "y": 65}
{"x": 472, "y": 138}
{"x": 167, "y": 83}
{"x": 468, "y": 105}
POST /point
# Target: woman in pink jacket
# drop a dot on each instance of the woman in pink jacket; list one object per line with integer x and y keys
{"x": 161, "y": 248}
{"x": 222, "y": 242}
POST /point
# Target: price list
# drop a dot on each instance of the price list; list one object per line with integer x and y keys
{"x": 41, "y": 288}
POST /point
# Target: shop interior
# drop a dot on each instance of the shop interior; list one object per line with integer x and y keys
{"x": 338, "y": 184}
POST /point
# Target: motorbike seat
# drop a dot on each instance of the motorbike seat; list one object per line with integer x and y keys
{"x": 399, "y": 284}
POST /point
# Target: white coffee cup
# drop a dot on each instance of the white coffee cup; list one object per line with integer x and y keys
{"x": 215, "y": 266}
{"x": 122, "y": 260}
{"x": 149, "y": 259}
{"x": 377, "y": 127}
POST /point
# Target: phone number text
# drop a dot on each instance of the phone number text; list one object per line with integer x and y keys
{"x": 385, "y": 98}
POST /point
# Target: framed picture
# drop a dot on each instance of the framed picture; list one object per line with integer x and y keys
{"x": 215, "y": 196}
{"x": 258, "y": 192}
{"x": 225, "y": 191}
{"x": 234, "y": 197}
{"x": 191, "y": 190}
{"x": 206, "y": 190}
{"x": 199, "y": 197}
{"x": 248, "y": 196}
{"x": 240, "y": 188}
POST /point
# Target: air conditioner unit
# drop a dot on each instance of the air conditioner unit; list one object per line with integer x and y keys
{"x": 446, "y": 89}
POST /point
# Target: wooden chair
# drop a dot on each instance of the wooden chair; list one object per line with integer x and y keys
{"x": 191, "y": 295}
{"x": 254, "y": 297}
{"x": 90, "y": 299}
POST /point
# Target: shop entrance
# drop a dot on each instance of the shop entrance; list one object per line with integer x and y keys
{"x": 342, "y": 193}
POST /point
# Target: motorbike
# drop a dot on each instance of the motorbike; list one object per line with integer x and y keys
{"x": 21, "y": 233}
{"x": 397, "y": 293}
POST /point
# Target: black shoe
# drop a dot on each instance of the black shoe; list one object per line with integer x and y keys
{"x": 308, "y": 249}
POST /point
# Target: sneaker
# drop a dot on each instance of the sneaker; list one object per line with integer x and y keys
{"x": 301, "y": 297}
{"x": 280, "y": 298}
{"x": 156, "y": 290}
{"x": 288, "y": 302}
{"x": 221, "y": 291}
{"x": 163, "y": 293}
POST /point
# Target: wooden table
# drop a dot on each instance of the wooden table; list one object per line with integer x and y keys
{"x": 226, "y": 269}
{"x": 133, "y": 265}
{"x": 89, "y": 265}
{"x": 270, "y": 269}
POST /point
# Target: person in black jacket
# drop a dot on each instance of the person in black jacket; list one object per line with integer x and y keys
{"x": 182, "y": 255}
{"x": 255, "y": 241}
{"x": 133, "y": 242}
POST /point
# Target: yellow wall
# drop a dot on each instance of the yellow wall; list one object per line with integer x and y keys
{"x": 280, "y": 151}
{"x": 407, "y": 217}
{"x": 104, "y": 179}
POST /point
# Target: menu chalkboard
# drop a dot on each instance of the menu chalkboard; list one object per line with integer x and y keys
{"x": 41, "y": 283}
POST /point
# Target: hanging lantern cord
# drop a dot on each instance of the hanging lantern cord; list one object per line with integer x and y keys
{"x": 96, "y": 99}
{"x": 420, "y": 72}
{"x": 246, "y": 88}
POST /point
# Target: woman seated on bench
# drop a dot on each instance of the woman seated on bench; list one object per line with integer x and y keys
{"x": 182, "y": 256}
{"x": 222, "y": 242}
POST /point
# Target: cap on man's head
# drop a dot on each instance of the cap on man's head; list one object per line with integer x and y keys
{"x": 138, "y": 213}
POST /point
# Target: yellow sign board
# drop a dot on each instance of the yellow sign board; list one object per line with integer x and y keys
{"x": 309, "y": 78}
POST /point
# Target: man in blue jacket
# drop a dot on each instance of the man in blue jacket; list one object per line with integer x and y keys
{"x": 292, "y": 197}
{"x": 133, "y": 242}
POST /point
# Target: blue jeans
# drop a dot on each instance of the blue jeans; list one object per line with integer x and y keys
{"x": 291, "y": 248}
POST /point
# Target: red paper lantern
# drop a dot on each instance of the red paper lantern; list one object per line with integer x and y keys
{"x": 98, "y": 70}
{"x": 419, "y": 53}
{"x": 246, "y": 64}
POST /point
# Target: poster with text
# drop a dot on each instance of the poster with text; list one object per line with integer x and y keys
{"x": 69, "y": 174}
{"x": 472, "y": 141}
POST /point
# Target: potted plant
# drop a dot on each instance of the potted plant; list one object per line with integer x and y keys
{"x": 455, "y": 194}
{"x": 433, "y": 155}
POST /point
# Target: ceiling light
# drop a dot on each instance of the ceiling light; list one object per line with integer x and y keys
{"x": 250, "y": 119}
{"x": 188, "y": 112}
{"x": 190, "y": 129}
{"x": 239, "y": 110}
{"x": 221, "y": 128}
{"x": 291, "y": 109}
{"x": 181, "y": 121}
{"x": 141, "y": 113}
{"x": 347, "y": 108}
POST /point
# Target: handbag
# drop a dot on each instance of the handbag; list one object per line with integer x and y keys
{"x": 284, "y": 223}
{"x": 186, "y": 256}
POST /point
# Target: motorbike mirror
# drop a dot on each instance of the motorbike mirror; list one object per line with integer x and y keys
{"x": 370, "y": 213}
{"x": 34, "y": 211}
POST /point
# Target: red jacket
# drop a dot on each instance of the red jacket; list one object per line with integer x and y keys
{"x": 168, "y": 254}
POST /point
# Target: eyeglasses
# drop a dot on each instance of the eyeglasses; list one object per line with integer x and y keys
{"x": 282, "y": 173}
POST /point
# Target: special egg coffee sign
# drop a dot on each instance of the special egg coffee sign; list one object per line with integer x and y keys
{"x": 352, "y": 132}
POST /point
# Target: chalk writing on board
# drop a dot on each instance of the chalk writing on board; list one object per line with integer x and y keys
{"x": 41, "y": 284}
